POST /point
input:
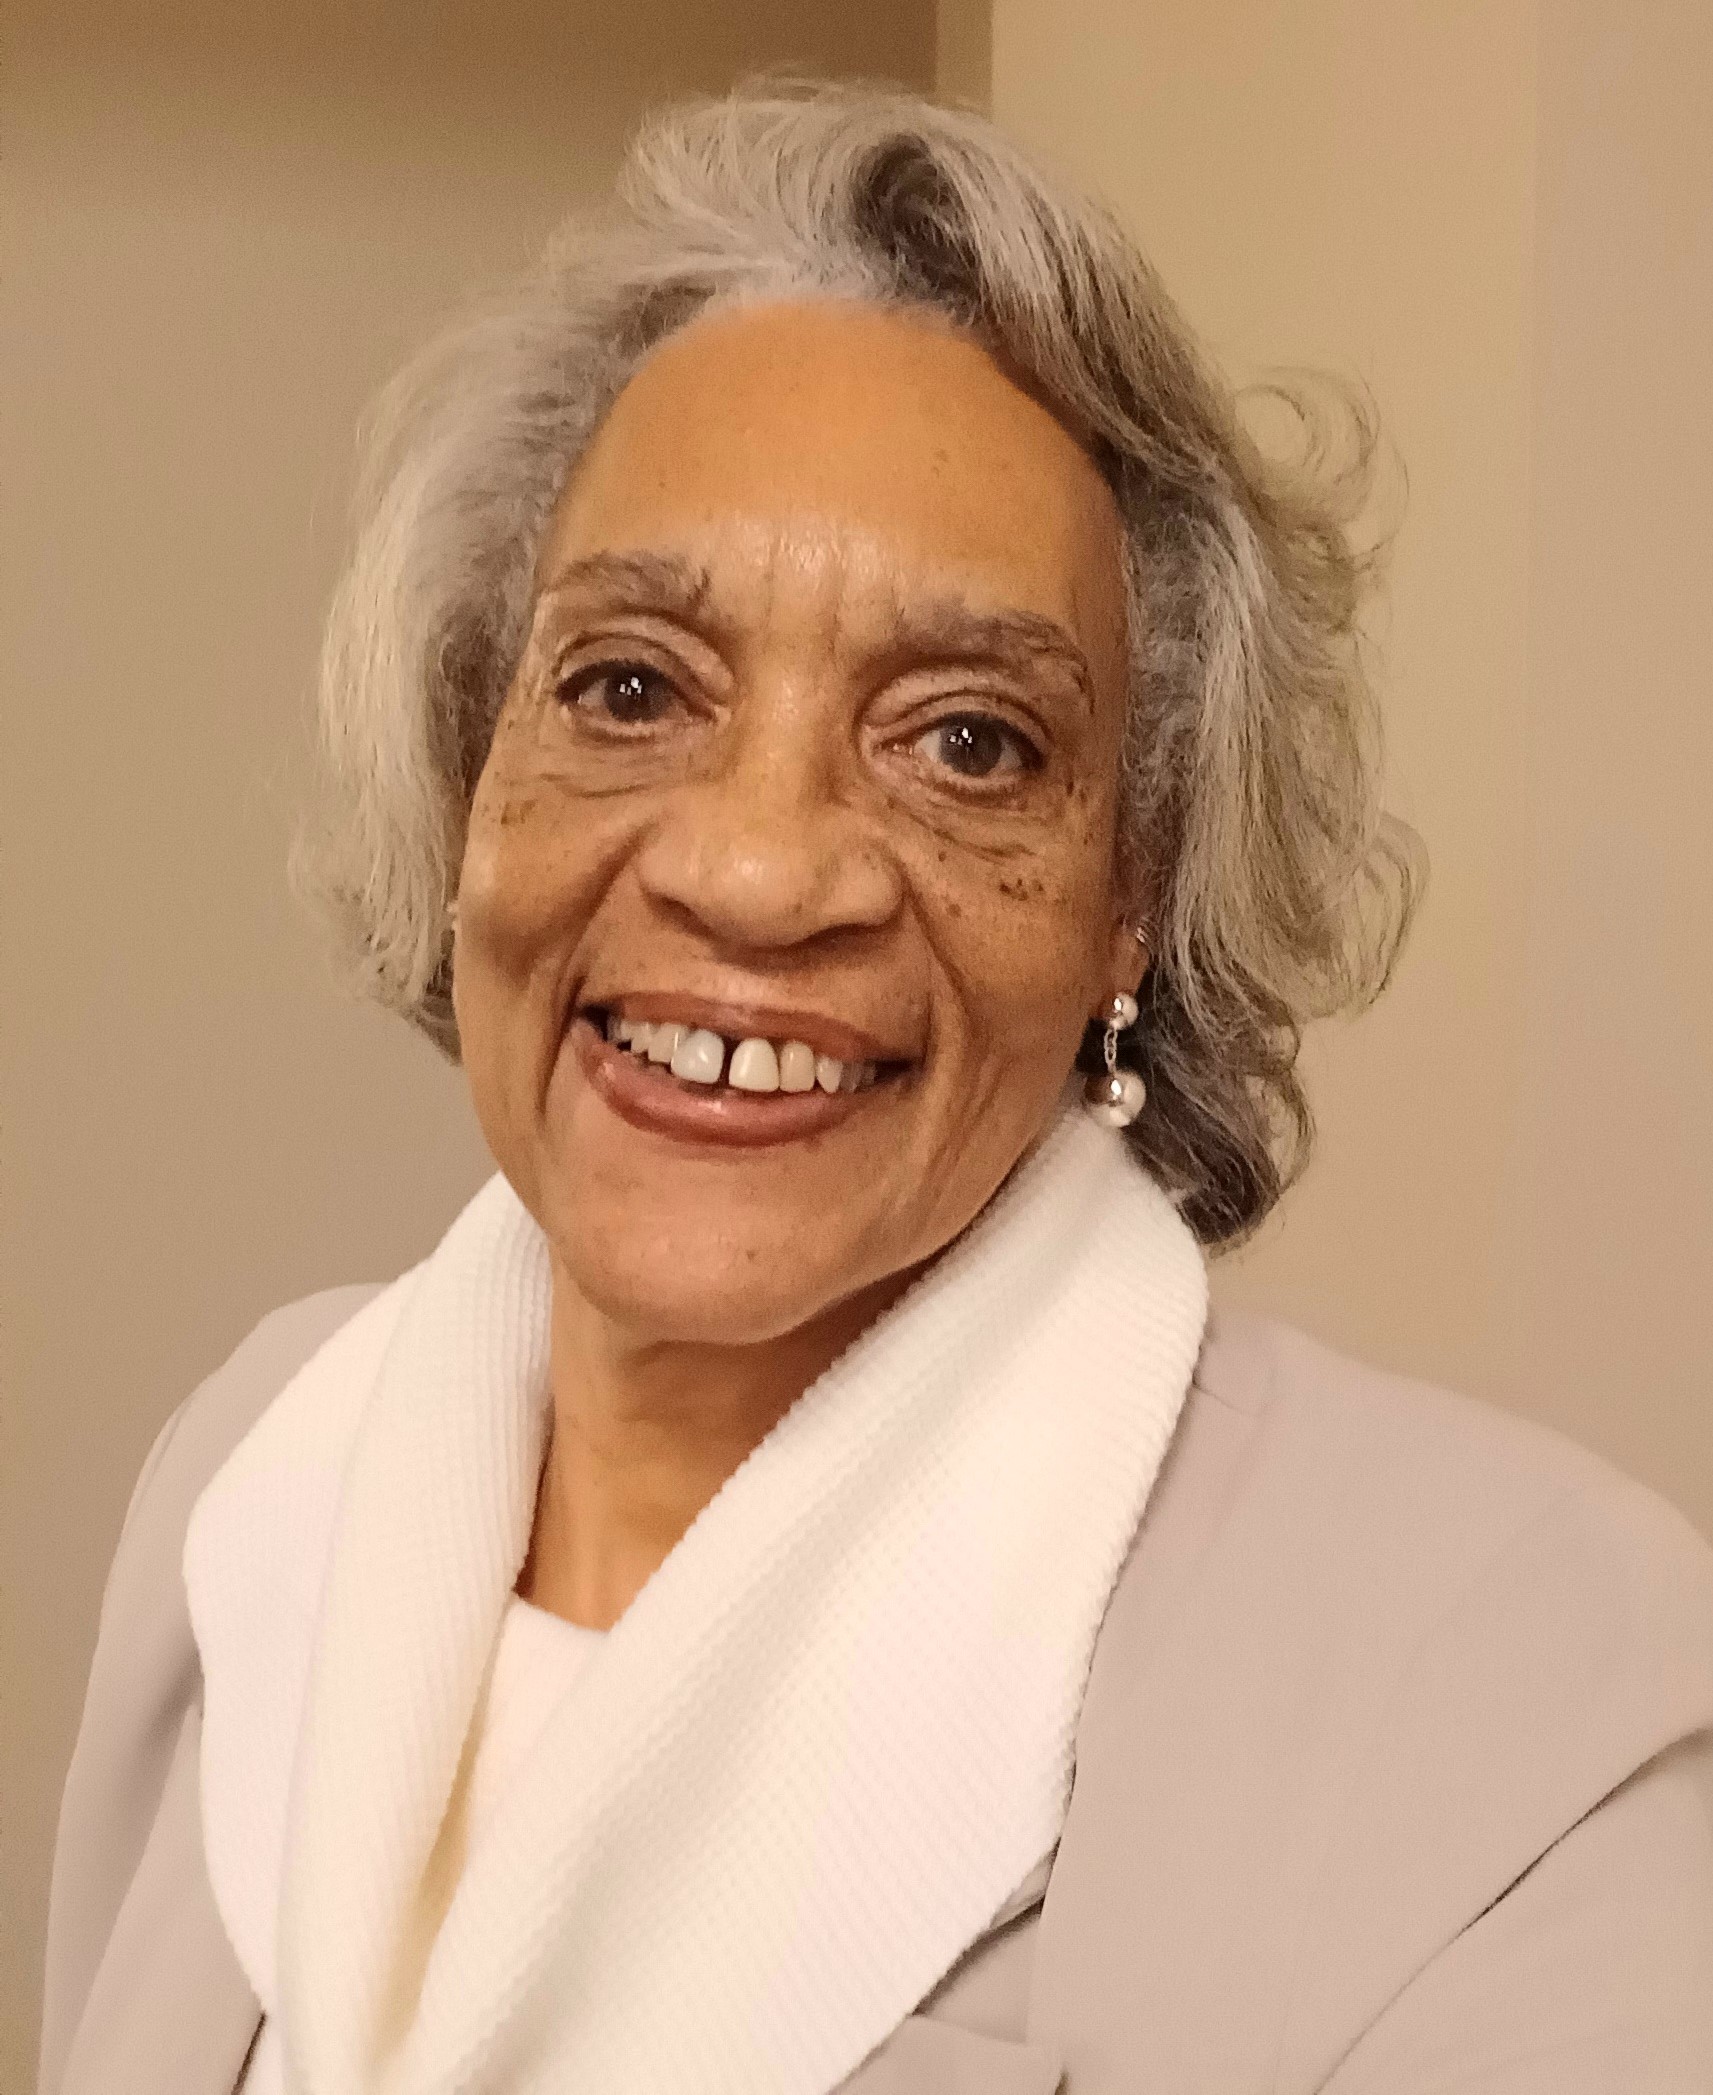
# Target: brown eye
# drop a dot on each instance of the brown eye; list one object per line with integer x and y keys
{"x": 630, "y": 694}
{"x": 974, "y": 745}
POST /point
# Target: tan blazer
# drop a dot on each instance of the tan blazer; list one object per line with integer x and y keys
{"x": 1395, "y": 1775}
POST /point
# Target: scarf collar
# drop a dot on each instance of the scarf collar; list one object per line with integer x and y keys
{"x": 826, "y": 1742}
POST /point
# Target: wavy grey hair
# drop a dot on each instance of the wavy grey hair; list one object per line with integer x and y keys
{"x": 1273, "y": 888}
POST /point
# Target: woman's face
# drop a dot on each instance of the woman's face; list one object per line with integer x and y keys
{"x": 814, "y": 744}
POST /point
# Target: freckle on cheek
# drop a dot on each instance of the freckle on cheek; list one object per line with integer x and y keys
{"x": 1023, "y": 889}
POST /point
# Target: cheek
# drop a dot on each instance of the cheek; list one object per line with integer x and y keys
{"x": 536, "y": 858}
{"x": 536, "y": 864}
{"x": 522, "y": 882}
{"x": 1024, "y": 938}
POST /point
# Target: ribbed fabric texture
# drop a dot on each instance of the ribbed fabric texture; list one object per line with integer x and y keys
{"x": 819, "y": 1751}
{"x": 536, "y": 1659}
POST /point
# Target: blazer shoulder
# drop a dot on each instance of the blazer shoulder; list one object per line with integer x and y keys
{"x": 144, "y": 1681}
{"x": 1379, "y": 1650}
{"x": 1356, "y": 1507}
{"x": 1434, "y": 1461}
{"x": 1508, "y": 1635}
{"x": 208, "y": 1425}
{"x": 1507, "y": 1628}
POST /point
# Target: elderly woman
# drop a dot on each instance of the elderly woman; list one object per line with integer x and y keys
{"x": 867, "y": 765}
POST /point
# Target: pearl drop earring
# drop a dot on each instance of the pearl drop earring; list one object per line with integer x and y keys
{"x": 1115, "y": 1098}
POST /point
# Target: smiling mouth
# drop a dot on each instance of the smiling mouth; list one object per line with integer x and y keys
{"x": 675, "y": 1077}
{"x": 754, "y": 1064}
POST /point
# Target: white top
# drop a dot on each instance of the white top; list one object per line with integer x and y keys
{"x": 537, "y": 1656}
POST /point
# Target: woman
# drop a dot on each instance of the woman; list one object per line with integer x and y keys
{"x": 822, "y": 661}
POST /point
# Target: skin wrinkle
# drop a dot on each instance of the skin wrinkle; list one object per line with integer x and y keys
{"x": 945, "y": 630}
{"x": 826, "y": 529}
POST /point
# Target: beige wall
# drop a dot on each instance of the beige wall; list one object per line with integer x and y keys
{"x": 217, "y": 243}
{"x": 963, "y": 52}
{"x": 220, "y": 233}
{"x": 1500, "y": 215}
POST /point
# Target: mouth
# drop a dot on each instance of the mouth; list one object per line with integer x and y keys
{"x": 704, "y": 1073}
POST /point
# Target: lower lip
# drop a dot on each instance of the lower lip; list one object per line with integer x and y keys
{"x": 642, "y": 1093}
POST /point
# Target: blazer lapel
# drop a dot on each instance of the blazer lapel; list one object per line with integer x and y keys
{"x": 170, "y": 2012}
{"x": 925, "y": 2056}
{"x": 943, "y": 2048}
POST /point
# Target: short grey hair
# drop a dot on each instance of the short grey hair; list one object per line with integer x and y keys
{"x": 1274, "y": 888}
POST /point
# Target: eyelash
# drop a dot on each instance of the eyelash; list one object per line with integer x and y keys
{"x": 572, "y": 686}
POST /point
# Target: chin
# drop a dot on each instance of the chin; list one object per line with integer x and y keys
{"x": 730, "y": 1293}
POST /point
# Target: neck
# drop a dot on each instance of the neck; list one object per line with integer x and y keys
{"x": 643, "y": 1435}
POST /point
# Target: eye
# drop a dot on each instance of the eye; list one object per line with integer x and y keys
{"x": 974, "y": 745}
{"x": 627, "y": 693}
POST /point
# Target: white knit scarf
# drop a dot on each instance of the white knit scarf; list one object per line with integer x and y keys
{"x": 827, "y": 1740}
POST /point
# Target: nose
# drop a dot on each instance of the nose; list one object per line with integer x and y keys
{"x": 765, "y": 852}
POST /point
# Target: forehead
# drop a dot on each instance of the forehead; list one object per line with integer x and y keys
{"x": 857, "y": 445}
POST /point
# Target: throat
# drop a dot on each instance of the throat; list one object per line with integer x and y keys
{"x": 641, "y": 1436}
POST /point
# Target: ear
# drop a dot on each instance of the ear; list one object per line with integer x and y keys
{"x": 1135, "y": 894}
{"x": 1128, "y": 959}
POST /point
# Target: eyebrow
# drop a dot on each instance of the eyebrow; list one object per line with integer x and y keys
{"x": 945, "y": 627}
{"x": 949, "y": 628}
{"x": 641, "y": 581}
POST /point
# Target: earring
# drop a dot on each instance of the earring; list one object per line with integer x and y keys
{"x": 1116, "y": 1098}
{"x": 452, "y": 917}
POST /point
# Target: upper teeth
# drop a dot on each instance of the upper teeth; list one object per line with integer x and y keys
{"x": 699, "y": 1056}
